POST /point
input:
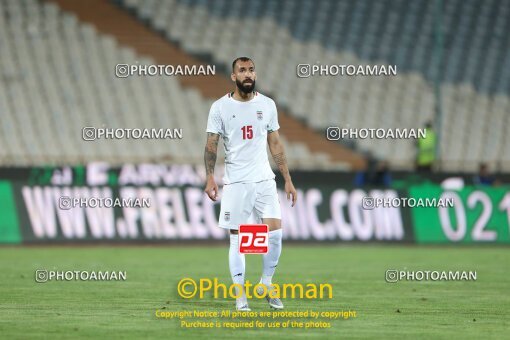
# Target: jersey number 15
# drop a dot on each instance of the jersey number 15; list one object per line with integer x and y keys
{"x": 247, "y": 132}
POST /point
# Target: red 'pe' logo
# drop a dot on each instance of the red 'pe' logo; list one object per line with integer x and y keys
{"x": 253, "y": 238}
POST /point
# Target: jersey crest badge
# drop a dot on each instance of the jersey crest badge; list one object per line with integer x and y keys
{"x": 259, "y": 115}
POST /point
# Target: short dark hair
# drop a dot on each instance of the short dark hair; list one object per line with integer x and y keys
{"x": 240, "y": 59}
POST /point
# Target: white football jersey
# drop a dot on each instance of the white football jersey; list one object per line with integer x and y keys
{"x": 244, "y": 127}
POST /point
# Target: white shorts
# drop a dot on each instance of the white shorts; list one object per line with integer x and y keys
{"x": 243, "y": 203}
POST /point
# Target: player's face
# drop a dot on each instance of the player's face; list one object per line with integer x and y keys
{"x": 244, "y": 75}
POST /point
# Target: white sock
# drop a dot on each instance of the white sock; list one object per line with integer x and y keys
{"x": 270, "y": 260}
{"x": 237, "y": 265}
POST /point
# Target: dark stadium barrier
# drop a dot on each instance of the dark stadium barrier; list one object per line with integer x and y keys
{"x": 329, "y": 208}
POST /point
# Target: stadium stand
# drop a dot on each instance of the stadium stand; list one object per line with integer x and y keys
{"x": 43, "y": 47}
{"x": 475, "y": 101}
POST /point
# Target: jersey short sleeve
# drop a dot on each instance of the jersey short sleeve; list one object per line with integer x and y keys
{"x": 214, "y": 122}
{"x": 273, "y": 122}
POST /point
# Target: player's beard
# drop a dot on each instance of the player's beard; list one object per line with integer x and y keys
{"x": 246, "y": 87}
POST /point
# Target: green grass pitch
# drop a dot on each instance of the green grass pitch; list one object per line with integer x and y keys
{"x": 126, "y": 309}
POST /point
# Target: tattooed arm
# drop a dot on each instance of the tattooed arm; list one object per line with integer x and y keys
{"x": 210, "y": 154}
{"x": 278, "y": 153}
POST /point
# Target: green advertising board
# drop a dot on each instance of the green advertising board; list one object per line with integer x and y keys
{"x": 9, "y": 226}
{"x": 479, "y": 214}
{"x": 327, "y": 209}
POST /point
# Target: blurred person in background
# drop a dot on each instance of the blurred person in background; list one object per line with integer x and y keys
{"x": 426, "y": 153}
{"x": 377, "y": 174}
{"x": 484, "y": 177}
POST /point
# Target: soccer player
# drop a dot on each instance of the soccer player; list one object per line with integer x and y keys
{"x": 247, "y": 121}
